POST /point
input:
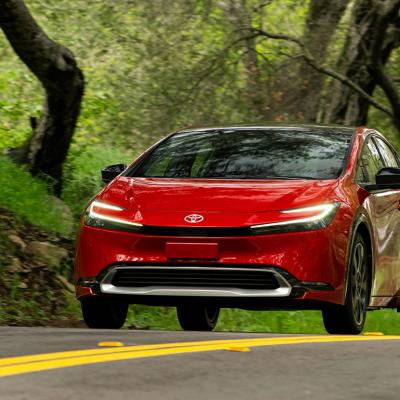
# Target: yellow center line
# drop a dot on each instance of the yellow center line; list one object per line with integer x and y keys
{"x": 40, "y": 362}
{"x": 89, "y": 352}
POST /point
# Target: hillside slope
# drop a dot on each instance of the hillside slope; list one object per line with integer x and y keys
{"x": 35, "y": 274}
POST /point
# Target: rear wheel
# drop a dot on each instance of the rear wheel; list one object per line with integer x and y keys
{"x": 350, "y": 318}
{"x": 197, "y": 317}
{"x": 104, "y": 314}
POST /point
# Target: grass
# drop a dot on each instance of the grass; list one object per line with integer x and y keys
{"x": 28, "y": 197}
{"x": 234, "y": 320}
{"x": 23, "y": 310}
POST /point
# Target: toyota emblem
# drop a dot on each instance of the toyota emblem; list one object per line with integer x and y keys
{"x": 194, "y": 218}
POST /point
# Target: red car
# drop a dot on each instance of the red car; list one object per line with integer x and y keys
{"x": 254, "y": 217}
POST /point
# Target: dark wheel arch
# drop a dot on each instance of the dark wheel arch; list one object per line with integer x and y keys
{"x": 350, "y": 317}
{"x": 361, "y": 226}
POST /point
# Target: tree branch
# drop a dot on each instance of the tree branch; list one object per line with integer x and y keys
{"x": 259, "y": 7}
{"x": 32, "y": 45}
{"x": 312, "y": 62}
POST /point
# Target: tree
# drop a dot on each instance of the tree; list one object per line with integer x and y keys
{"x": 55, "y": 67}
{"x": 373, "y": 33}
{"x": 298, "y": 85}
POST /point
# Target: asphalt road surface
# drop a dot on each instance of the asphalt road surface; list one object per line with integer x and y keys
{"x": 53, "y": 363}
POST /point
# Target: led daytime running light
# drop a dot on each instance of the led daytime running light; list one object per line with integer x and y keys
{"x": 326, "y": 210}
{"x": 92, "y": 215}
{"x": 106, "y": 206}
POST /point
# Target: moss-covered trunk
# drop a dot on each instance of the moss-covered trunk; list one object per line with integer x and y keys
{"x": 56, "y": 68}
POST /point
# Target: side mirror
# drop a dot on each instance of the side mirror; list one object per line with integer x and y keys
{"x": 388, "y": 176}
{"x": 386, "y": 179}
{"x": 111, "y": 171}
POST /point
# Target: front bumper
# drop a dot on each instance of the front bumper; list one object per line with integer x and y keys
{"x": 315, "y": 261}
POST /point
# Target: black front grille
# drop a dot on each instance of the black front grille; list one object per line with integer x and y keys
{"x": 194, "y": 232}
{"x": 202, "y": 277}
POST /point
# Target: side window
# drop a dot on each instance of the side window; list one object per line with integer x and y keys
{"x": 370, "y": 163}
{"x": 389, "y": 157}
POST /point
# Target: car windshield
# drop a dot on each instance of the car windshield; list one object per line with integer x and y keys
{"x": 249, "y": 154}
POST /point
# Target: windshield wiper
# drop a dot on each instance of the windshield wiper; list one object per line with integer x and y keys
{"x": 293, "y": 177}
{"x": 272, "y": 177}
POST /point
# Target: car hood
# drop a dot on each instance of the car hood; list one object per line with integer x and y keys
{"x": 163, "y": 202}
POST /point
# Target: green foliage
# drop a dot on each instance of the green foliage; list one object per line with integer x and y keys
{"x": 235, "y": 320}
{"x": 151, "y": 67}
{"x": 5, "y": 247}
{"x": 147, "y": 72}
{"x": 29, "y": 198}
{"x": 82, "y": 173}
{"x": 17, "y": 85}
{"x": 272, "y": 321}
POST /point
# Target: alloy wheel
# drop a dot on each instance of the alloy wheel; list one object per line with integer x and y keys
{"x": 359, "y": 282}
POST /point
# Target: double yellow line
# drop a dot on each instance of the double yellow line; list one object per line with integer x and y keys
{"x": 41, "y": 362}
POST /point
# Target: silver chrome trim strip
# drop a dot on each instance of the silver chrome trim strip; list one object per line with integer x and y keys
{"x": 284, "y": 290}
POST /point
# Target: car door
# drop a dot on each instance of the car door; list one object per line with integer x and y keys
{"x": 389, "y": 257}
{"x": 383, "y": 207}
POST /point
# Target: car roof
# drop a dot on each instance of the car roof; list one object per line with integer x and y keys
{"x": 275, "y": 126}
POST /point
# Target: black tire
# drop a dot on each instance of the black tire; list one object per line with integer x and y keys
{"x": 197, "y": 317}
{"x": 104, "y": 314}
{"x": 350, "y": 318}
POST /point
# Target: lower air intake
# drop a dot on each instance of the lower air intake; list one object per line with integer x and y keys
{"x": 195, "y": 277}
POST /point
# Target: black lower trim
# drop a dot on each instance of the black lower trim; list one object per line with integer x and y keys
{"x": 194, "y": 232}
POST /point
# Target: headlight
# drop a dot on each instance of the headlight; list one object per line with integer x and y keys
{"x": 310, "y": 218}
{"x": 105, "y": 215}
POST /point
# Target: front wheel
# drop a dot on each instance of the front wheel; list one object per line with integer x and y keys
{"x": 197, "y": 317}
{"x": 104, "y": 314}
{"x": 350, "y": 318}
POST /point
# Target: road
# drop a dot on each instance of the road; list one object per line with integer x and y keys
{"x": 194, "y": 365}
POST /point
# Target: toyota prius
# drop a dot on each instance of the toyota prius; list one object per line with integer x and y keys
{"x": 253, "y": 217}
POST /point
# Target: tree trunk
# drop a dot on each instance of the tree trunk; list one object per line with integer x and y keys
{"x": 56, "y": 68}
{"x": 297, "y": 92}
{"x": 239, "y": 13}
{"x": 322, "y": 21}
{"x": 343, "y": 105}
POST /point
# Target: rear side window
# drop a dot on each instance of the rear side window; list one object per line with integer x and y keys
{"x": 370, "y": 163}
{"x": 249, "y": 154}
{"x": 389, "y": 158}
